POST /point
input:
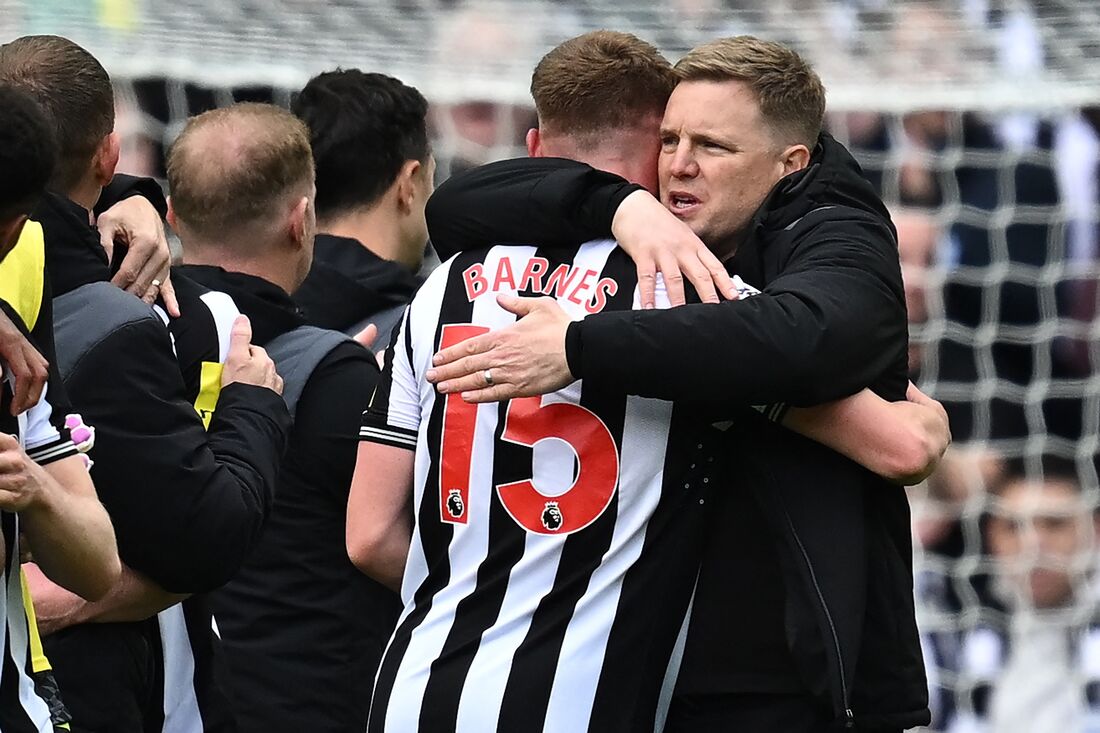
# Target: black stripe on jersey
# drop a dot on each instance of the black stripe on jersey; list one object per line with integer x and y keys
{"x": 46, "y": 454}
{"x": 13, "y": 717}
{"x": 435, "y": 535}
{"x": 153, "y": 712}
{"x": 527, "y": 693}
{"x": 671, "y": 553}
{"x": 389, "y": 435}
{"x": 196, "y": 336}
{"x": 380, "y": 400}
{"x": 478, "y": 611}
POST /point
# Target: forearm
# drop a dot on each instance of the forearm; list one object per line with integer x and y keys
{"x": 547, "y": 201}
{"x": 379, "y": 518}
{"x": 69, "y": 531}
{"x": 832, "y": 323}
{"x": 132, "y": 598}
{"x": 901, "y": 442}
{"x": 385, "y": 559}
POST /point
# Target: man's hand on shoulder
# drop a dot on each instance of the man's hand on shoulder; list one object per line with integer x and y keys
{"x": 29, "y": 367}
{"x": 246, "y": 363}
{"x": 523, "y": 360}
{"x": 658, "y": 242}
{"x": 144, "y": 270}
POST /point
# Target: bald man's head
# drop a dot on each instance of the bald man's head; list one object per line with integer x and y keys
{"x": 236, "y": 170}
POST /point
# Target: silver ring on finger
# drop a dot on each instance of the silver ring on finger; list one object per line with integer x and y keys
{"x": 487, "y": 375}
{"x": 156, "y": 283}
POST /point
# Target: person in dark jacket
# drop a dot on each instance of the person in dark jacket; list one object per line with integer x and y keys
{"x": 301, "y": 629}
{"x": 828, "y": 633}
{"x": 374, "y": 175}
{"x": 186, "y": 505}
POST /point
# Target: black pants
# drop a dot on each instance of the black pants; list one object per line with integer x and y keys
{"x": 748, "y": 713}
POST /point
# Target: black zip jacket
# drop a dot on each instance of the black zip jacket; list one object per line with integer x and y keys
{"x": 349, "y": 286}
{"x": 831, "y": 320}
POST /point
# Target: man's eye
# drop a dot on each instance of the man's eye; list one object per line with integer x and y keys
{"x": 711, "y": 145}
{"x": 669, "y": 141}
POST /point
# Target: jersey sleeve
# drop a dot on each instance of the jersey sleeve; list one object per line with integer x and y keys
{"x": 393, "y": 417}
{"x": 47, "y": 437}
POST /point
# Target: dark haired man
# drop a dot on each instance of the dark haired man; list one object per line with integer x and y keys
{"x": 374, "y": 176}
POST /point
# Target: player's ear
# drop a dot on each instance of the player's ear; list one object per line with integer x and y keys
{"x": 406, "y": 184}
{"x": 795, "y": 158}
{"x": 171, "y": 216}
{"x": 534, "y": 143}
{"x": 106, "y": 159}
{"x": 298, "y": 223}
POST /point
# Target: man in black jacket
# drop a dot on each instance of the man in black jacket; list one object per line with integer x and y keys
{"x": 374, "y": 175}
{"x": 301, "y": 629}
{"x": 828, "y": 632}
{"x": 187, "y": 505}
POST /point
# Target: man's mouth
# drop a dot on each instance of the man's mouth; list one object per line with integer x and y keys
{"x": 682, "y": 203}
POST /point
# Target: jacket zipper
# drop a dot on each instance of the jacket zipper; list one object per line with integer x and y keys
{"x": 848, "y": 714}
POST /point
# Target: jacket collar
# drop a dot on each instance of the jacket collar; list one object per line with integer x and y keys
{"x": 74, "y": 256}
{"x": 832, "y": 178}
{"x": 268, "y": 306}
{"x": 348, "y": 284}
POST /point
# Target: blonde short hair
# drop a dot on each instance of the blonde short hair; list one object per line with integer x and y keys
{"x": 600, "y": 81}
{"x": 253, "y": 157}
{"x": 788, "y": 90}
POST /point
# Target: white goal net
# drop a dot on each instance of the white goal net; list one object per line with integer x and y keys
{"x": 979, "y": 122}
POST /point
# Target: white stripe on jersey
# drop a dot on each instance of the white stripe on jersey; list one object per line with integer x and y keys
{"x": 225, "y": 312}
{"x": 15, "y": 637}
{"x": 181, "y": 706}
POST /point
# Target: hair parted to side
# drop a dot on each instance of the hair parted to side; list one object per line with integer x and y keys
{"x": 234, "y": 167}
{"x": 600, "y": 81}
{"x": 27, "y": 148}
{"x": 788, "y": 90}
{"x": 72, "y": 89}
{"x": 363, "y": 127}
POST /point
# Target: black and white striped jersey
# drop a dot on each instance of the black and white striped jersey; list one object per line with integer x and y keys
{"x": 555, "y": 542}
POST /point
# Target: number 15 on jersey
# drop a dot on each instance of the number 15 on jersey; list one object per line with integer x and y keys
{"x": 528, "y": 420}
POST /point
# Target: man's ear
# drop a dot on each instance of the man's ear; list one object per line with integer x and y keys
{"x": 171, "y": 217}
{"x": 106, "y": 159}
{"x": 795, "y": 158}
{"x": 297, "y": 223}
{"x": 406, "y": 185}
{"x": 534, "y": 143}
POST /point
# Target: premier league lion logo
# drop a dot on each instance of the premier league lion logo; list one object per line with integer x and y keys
{"x": 551, "y": 516}
{"x": 455, "y": 506}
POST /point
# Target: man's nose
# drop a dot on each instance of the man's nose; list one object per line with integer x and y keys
{"x": 684, "y": 164}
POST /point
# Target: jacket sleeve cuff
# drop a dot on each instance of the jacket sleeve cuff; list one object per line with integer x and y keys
{"x": 124, "y": 186}
{"x": 573, "y": 345}
{"x": 607, "y": 199}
